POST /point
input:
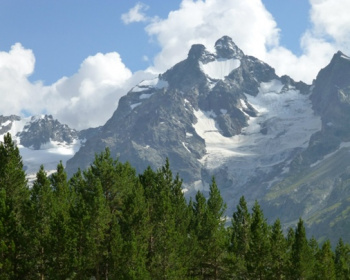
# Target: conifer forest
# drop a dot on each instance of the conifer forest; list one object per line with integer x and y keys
{"x": 108, "y": 222}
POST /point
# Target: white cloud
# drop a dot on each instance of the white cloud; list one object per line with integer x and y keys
{"x": 247, "y": 22}
{"x": 86, "y": 99}
{"x": 255, "y": 31}
{"x": 17, "y": 94}
{"x": 136, "y": 14}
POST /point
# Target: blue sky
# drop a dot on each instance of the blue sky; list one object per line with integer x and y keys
{"x": 63, "y": 33}
{"x": 62, "y": 56}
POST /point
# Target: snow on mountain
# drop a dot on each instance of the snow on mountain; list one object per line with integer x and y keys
{"x": 285, "y": 122}
{"x": 220, "y": 68}
{"x": 149, "y": 84}
{"x": 47, "y": 151}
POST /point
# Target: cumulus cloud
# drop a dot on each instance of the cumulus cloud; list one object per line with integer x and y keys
{"x": 255, "y": 31}
{"x": 86, "y": 99}
{"x": 136, "y": 14}
{"x": 17, "y": 94}
{"x": 249, "y": 24}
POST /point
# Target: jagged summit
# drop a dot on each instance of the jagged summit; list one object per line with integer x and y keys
{"x": 226, "y": 48}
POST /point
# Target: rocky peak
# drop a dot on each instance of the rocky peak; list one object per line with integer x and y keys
{"x": 226, "y": 48}
{"x": 42, "y": 129}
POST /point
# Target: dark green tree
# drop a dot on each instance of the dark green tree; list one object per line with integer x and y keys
{"x": 302, "y": 259}
{"x": 259, "y": 257}
{"x": 14, "y": 260}
{"x": 278, "y": 251}
{"x": 166, "y": 207}
{"x": 130, "y": 247}
{"x": 342, "y": 261}
{"x": 40, "y": 218}
{"x": 325, "y": 263}
{"x": 239, "y": 241}
{"x": 62, "y": 241}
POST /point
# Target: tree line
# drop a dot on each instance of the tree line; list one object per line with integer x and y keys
{"x": 108, "y": 222}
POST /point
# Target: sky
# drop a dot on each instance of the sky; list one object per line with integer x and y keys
{"x": 75, "y": 59}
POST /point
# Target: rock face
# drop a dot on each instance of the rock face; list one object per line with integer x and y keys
{"x": 43, "y": 129}
{"x": 225, "y": 114}
{"x": 156, "y": 118}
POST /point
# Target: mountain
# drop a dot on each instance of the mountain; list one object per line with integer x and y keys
{"x": 229, "y": 115}
{"x": 43, "y": 140}
{"x": 224, "y": 114}
{"x": 317, "y": 185}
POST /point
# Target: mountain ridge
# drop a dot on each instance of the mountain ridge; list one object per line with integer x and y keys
{"x": 229, "y": 115}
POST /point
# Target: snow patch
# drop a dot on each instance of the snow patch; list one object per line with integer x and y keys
{"x": 220, "y": 68}
{"x": 345, "y": 57}
{"x": 148, "y": 84}
{"x": 146, "y": 96}
{"x": 184, "y": 144}
{"x": 5, "y": 123}
{"x": 133, "y": 106}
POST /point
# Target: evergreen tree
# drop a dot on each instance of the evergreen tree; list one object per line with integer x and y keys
{"x": 278, "y": 251}
{"x": 130, "y": 258}
{"x": 62, "y": 242}
{"x": 92, "y": 220}
{"x": 14, "y": 260}
{"x": 325, "y": 263}
{"x": 40, "y": 218}
{"x": 302, "y": 259}
{"x": 240, "y": 241}
{"x": 315, "y": 251}
{"x": 166, "y": 208}
{"x": 259, "y": 258}
{"x": 198, "y": 235}
{"x": 216, "y": 233}
{"x": 342, "y": 261}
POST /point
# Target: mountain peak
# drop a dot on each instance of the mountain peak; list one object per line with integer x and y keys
{"x": 226, "y": 48}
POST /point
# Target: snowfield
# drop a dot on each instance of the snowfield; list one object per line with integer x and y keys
{"x": 288, "y": 119}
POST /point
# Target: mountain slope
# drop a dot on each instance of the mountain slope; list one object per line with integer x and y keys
{"x": 317, "y": 186}
{"x": 209, "y": 114}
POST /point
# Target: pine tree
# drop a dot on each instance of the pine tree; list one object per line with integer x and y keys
{"x": 240, "y": 241}
{"x": 342, "y": 261}
{"x": 62, "y": 241}
{"x": 325, "y": 263}
{"x": 130, "y": 247}
{"x": 14, "y": 191}
{"x": 259, "y": 258}
{"x": 168, "y": 224}
{"x": 198, "y": 235}
{"x": 93, "y": 222}
{"x": 216, "y": 233}
{"x": 301, "y": 256}
{"x": 40, "y": 218}
{"x": 278, "y": 251}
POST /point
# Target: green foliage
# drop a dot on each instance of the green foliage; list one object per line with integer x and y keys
{"x": 110, "y": 223}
